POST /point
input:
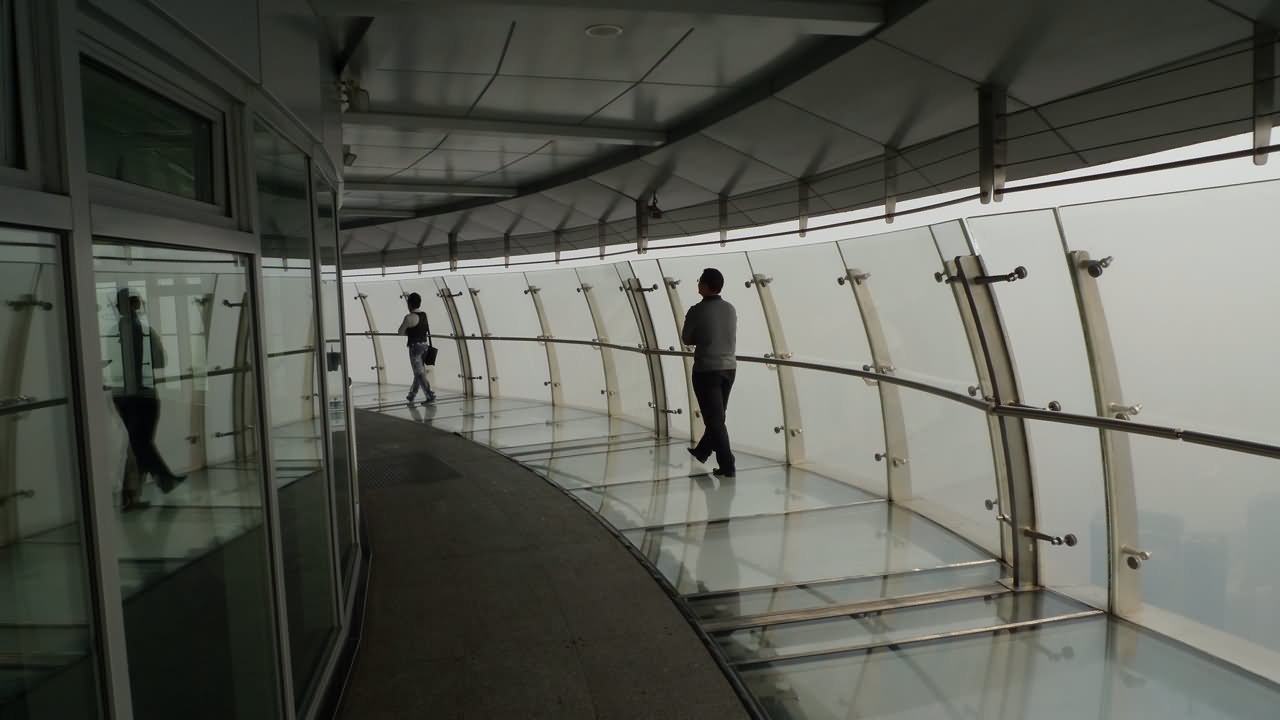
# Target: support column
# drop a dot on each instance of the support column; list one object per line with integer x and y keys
{"x": 696, "y": 426}
{"x": 553, "y": 364}
{"x": 991, "y": 142}
{"x": 896, "y": 452}
{"x": 1264, "y": 89}
{"x": 610, "y": 389}
{"x": 792, "y": 427}
{"x": 459, "y": 336}
{"x": 971, "y": 284}
{"x": 649, "y": 336}
{"x": 1125, "y": 555}
{"x": 490, "y": 359}
{"x": 379, "y": 365}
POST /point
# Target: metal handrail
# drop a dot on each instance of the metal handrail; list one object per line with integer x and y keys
{"x": 1222, "y": 442}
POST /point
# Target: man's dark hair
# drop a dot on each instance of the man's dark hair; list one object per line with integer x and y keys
{"x": 712, "y": 278}
{"x": 415, "y": 301}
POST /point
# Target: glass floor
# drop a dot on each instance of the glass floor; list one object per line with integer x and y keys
{"x": 831, "y": 603}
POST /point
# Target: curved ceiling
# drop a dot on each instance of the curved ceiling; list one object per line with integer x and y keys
{"x": 508, "y": 119}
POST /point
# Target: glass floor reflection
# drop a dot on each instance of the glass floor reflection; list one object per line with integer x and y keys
{"x": 832, "y": 603}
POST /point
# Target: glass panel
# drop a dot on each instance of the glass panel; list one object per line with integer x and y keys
{"x": 1061, "y": 671}
{"x": 569, "y": 318}
{"x": 949, "y": 445}
{"x": 447, "y": 372}
{"x": 619, "y": 321}
{"x": 196, "y": 556}
{"x": 807, "y": 596}
{"x": 49, "y": 667}
{"x": 521, "y": 366}
{"x": 297, "y": 412}
{"x": 465, "y": 302}
{"x": 673, "y": 369}
{"x": 755, "y": 408}
{"x": 785, "y": 549}
{"x": 360, "y": 357}
{"x": 638, "y": 464}
{"x": 703, "y": 497}
{"x": 329, "y": 256}
{"x": 10, "y": 99}
{"x": 893, "y": 626}
{"x": 560, "y": 431}
{"x": 388, "y": 309}
{"x": 843, "y": 429}
{"x": 1043, "y": 325}
{"x": 141, "y": 137}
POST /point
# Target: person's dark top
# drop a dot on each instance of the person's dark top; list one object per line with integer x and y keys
{"x": 418, "y": 333}
{"x": 711, "y": 327}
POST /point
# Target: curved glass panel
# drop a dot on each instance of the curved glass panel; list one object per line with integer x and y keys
{"x": 840, "y": 415}
{"x": 360, "y": 357}
{"x": 465, "y": 303}
{"x": 568, "y": 318}
{"x": 1042, "y": 323}
{"x": 47, "y": 637}
{"x": 753, "y": 414}
{"x": 190, "y": 536}
{"x": 674, "y": 370}
{"x": 521, "y": 367}
{"x": 618, "y": 323}
{"x": 446, "y": 374}
{"x": 387, "y": 309}
{"x": 948, "y": 444}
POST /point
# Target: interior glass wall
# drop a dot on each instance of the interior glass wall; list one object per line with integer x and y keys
{"x": 176, "y": 329}
{"x": 47, "y": 636}
{"x": 336, "y": 403}
{"x": 520, "y": 367}
{"x": 297, "y": 409}
{"x": 10, "y": 107}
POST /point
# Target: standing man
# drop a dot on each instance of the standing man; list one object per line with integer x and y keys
{"x": 415, "y": 327}
{"x": 711, "y": 327}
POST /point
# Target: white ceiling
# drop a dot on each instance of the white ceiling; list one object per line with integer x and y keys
{"x": 755, "y": 106}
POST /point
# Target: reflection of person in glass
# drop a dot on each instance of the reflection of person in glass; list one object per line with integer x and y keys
{"x": 711, "y": 327}
{"x": 137, "y": 403}
{"x": 415, "y": 327}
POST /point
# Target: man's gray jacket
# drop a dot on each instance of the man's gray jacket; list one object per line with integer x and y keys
{"x": 711, "y": 327}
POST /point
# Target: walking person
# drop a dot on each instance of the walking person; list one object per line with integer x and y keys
{"x": 414, "y": 326}
{"x": 135, "y": 399}
{"x": 711, "y": 327}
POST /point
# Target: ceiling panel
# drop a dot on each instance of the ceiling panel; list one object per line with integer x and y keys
{"x": 651, "y": 105}
{"x": 1045, "y": 50}
{"x": 639, "y": 179}
{"x": 466, "y": 160}
{"x": 381, "y": 156}
{"x": 510, "y": 144}
{"x": 813, "y": 145}
{"x": 553, "y": 43}
{"x": 546, "y": 99}
{"x": 438, "y": 42}
{"x": 358, "y": 174}
{"x": 421, "y": 92}
{"x": 580, "y": 148}
{"x": 546, "y": 212}
{"x": 593, "y": 199}
{"x": 363, "y": 135}
{"x": 728, "y": 52}
{"x": 884, "y": 94}
{"x": 715, "y": 166}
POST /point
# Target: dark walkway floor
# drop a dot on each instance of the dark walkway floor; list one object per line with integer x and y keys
{"x": 492, "y": 595}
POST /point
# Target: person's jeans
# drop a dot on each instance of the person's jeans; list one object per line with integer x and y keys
{"x": 712, "y": 387}
{"x": 419, "y": 370}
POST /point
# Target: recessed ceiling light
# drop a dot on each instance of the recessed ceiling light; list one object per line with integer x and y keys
{"x": 604, "y": 31}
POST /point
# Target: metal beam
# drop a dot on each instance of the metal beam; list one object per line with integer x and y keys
{"x": 479, "y": 126}
{"x": 823, "y": 17}
{"x": 431, "y": 189}
{"x": 376, "y": 213}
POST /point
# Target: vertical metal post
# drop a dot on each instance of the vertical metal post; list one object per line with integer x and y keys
{"x": 991, "y": 142}
{"x": 998, "y": 380}
{"x": 459, "y": 336}
{"x": 453, "y": 251}
{"x": 890, "y": 183}
{"x": 490, "y": 358}
{"x": 723, "y": 205}
{"x": 1125, "y": 557}
{"x": 1264, "y": 89}
{"x": 553, "y": 363}
{"x": 601, "y": 237}
{"x": 556, "y": 240}
{"x": 792, "y": 427}
{"x": 642, "y": 226}
{"x": 649, "y": 337}
{"x": 696, "y": 426}
{"x": 896, "y": 452}
{"x": 610, "y": 389}
{"x": 802, "y": 206}
{"x": 379, "y": 364}
{"x": 506, "y": 250}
